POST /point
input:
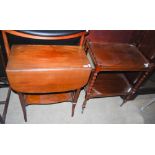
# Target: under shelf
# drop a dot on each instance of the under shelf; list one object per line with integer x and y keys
{"x": 48, "y": 99}
{"x": 110, "y": 84}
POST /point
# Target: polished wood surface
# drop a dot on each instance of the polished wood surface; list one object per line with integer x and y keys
{"x": 110, "y": 84}
{"x": 29, "y": 57}
{"x": 34, "y": 70}
{"x": 118, "y": 36}
{"x": 45, "y": 68}
{"x": 117, "y": 57}
{"x": 48, "y": 98}
{"x": 111, "y": 60}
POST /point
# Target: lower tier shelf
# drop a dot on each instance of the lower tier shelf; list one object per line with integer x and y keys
{"x": 48, "y": 98}
{"x": 110, "y": 84}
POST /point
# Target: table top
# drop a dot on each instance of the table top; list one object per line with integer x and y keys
{"x": 47, "y": 68}
{"x": 26, "y": 57}
{"x": 117, "y": 57}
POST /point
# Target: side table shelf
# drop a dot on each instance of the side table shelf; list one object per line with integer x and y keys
{"x": 49, "y": 98}
{"x": 108, "y": 84}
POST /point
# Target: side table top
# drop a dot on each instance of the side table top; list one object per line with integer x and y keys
{"x": 117, "y": 57}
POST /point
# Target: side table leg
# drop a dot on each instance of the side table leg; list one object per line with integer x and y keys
{"x": 23, "y": 105}
{"x": 84, "y": 104}
{"x": 137, "y": 85}
{"x": 89, "y": 89}
{"x": 76, "y": 96}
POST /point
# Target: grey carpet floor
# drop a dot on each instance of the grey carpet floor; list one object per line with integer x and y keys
{"x": 98, "y": 111}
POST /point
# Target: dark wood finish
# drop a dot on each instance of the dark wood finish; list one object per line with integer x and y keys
{"x": 144, "y": 41}
{"x": 108, "y": 84}
{"x": 134, "y": 37}
{"x": 117, "y": 57}
{"x": 139, "y": 82}
{"x": 110, "y": 61}
{"x": 23, "y": 105}
{"x": 40, "y": 69}
{"x": 76, "y": 95}
{"x": 118, "y": 36}
{"x": 147, "y": 47}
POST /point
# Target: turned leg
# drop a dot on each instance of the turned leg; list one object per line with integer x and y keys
{"x": 140, "y": 81}
{"x": 89, "y": 89}
{"x": 23, "y": 105}
{"x": 76, "y": 96}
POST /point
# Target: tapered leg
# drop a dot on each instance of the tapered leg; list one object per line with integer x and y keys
{"x": 84, "y": 104}
{"x": 23, "y": 105}
{"x": 73, "y": 108}
{"x": 124, "y": 101}
{"x": 76, "y": 96}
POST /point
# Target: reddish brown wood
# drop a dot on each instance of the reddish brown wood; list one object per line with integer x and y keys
{"x": 20, "y": 34}
{"x": 48, "y": 98}
{"x": 46, "y": 57}
{"x": 89, "y": 87}
{"x": 6, "y": 44}
{"x": 23, "y": 105}
{"x": 110, "y": 84}
{"x": 118, "y": 36}
{"x": 117, "y": 57}
{"x": 137, "y": 85}
{"x": 75, "y": 98}
{"x": 45, "y": 68}
{"x": 147, "y": 47}
{"x": 109, "y": 60}
{"x": 122, "y": 36}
